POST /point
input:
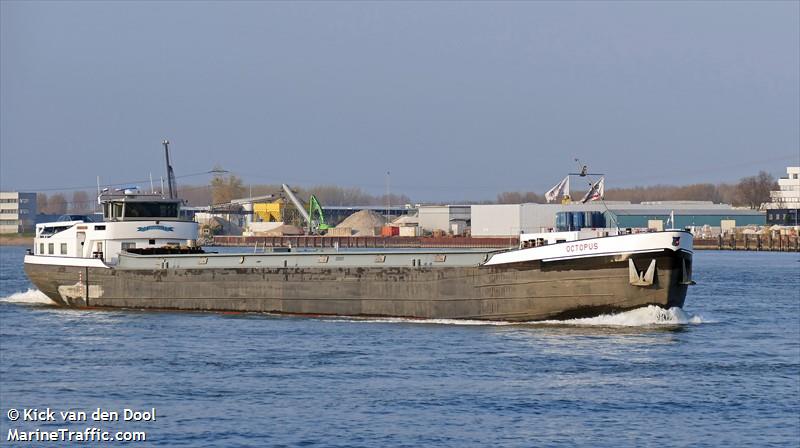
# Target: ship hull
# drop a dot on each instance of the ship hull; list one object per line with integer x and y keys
{"x": 522, "y": 291}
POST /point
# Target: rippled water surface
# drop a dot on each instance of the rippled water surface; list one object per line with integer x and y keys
{"x": 724, "y": 371}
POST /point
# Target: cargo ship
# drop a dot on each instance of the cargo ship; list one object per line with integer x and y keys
{"x": 143, "y": 255}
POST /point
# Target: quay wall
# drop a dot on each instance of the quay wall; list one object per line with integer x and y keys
{"x": 756, "y": 242}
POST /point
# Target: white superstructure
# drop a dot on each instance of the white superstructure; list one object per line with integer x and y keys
{"x": 131, "y": 221}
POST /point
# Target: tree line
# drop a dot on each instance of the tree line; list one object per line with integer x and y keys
{"x": 750, "y": 191}
{"x": 223, "y": 188}
{"x": 79, "y": 203}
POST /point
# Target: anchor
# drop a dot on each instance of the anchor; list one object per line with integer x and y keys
{"x": 644, "y": 278}
{"x": 686, "y": 274}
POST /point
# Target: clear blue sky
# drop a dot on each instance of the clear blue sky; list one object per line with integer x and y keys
{"x": 458, "y": 100}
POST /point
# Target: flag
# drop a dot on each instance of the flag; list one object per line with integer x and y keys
{"x": 559, "y": 190}
{"x": 596, "y": 192}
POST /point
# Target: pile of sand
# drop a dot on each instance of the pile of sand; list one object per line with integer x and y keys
{"x": 284, "y": 230}
{"x": 363, "y": 223}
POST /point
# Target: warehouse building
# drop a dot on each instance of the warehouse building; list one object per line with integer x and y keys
{"x": 445, "y": 218}
{"x": 718, "y": 219}
{"x": 514, "y": 219}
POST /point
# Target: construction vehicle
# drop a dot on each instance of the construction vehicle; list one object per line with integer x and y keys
{"x": 317, "y": 217}
{"x": 313, "y": 217}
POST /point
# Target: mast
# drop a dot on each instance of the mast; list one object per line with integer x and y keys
{"x": 584, "y": 173}
{"x": 173, "y": 189}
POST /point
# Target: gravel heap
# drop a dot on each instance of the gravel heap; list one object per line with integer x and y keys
{"x": 363, "y": 223}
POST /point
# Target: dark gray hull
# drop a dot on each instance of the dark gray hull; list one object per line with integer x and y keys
{"x": 516, "y": 292}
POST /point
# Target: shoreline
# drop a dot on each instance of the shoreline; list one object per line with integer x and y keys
{"x": 15, "y": 240}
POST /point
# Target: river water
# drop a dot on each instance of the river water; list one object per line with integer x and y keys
{"x": 724, "y": 371}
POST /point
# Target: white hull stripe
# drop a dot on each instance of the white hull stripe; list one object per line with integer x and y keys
{"x": 66, "y": 261}
{"x": 604, "y": 254}
{"x": 598, "y": 247}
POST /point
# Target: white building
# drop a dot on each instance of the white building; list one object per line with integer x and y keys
{"x": 441, "y": 217}
{"x": 784, "y": 205}
{"x": 513, "y": 219}
{"x": 17, "y": 212}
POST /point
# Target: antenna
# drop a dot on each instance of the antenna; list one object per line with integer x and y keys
{"x": 388, "y": 196}
{"x": 170, "y": 174}
{"x": 583, "y": 170}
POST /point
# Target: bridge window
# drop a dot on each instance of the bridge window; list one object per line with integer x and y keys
{"x": 112, "y": 210}
{"x": 151, "y": 210}
{"x": 140, "y": 210}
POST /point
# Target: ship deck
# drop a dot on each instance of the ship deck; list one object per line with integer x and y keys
{"x": 371, "y": 258}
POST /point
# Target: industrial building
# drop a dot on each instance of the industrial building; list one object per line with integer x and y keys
{"x": 445, "y": 218}
{"x": 714, "y": 216}
{"x": 784, "y": 206}
{"x": 514, "y": 219}
{"x": 17, "y": 212}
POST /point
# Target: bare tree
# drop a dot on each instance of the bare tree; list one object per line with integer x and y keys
{"x": 225, "y": 188}
{"x": 753, "y": 191}
{"x": 57, "y": 204}
{"x": 80, "y": 202}
{"x": 518, "y": 197}
{"x": 41, "y": 203}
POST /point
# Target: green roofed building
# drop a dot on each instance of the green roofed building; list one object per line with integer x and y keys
{"x": 685, "y": 217}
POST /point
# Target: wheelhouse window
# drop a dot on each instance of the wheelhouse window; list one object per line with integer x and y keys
{"x": 112, "y": 210}
{"x": 151, "y": 210}
{"x": 140, "y": 210}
